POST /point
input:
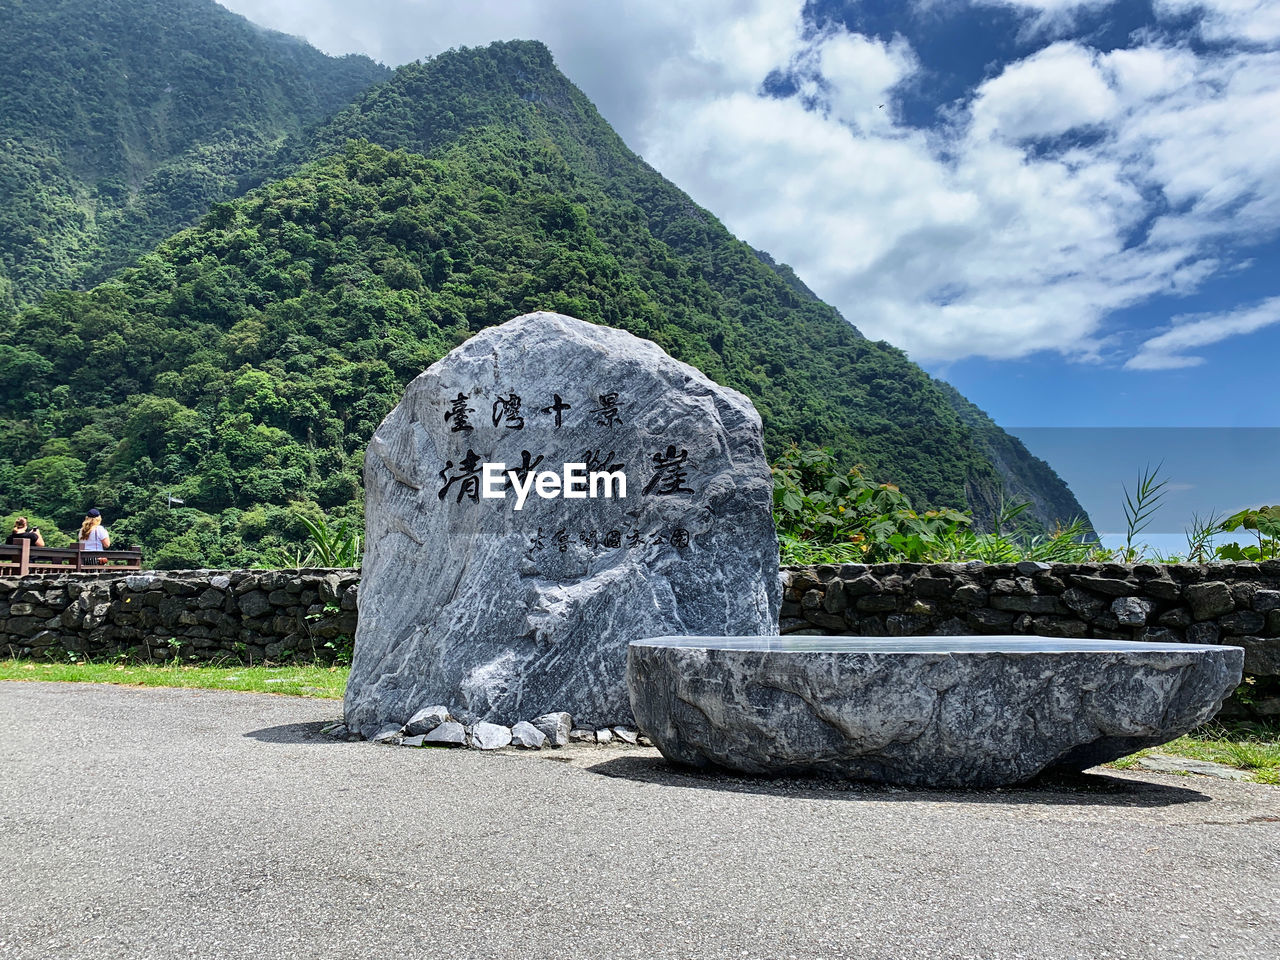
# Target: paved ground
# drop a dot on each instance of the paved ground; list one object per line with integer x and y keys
{"x": 175, "y": 823}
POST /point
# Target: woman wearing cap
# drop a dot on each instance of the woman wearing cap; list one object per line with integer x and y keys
{"x": 93, "y": 535}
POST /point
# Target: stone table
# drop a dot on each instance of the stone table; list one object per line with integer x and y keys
{"x": 920, "y": 711}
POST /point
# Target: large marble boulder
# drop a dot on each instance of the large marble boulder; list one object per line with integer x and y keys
{"x": 503, "y": 614}
{"x": 920, "y": 711}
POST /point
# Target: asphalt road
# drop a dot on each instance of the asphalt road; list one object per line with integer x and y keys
{"x": 176, "y": 823}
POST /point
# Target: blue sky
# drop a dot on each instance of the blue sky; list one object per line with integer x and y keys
{"x": 1070, "y": 209}
{"x": 960, "y": 46}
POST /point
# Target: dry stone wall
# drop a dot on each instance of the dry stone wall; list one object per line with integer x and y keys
{"x": 1228, "y": 603}
{"x": 246, "y": 616}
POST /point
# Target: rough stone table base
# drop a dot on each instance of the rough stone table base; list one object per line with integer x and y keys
{"x": 923, "y": 711}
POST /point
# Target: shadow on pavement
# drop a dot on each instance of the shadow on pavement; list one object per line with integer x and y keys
{"x": 294, "y": 733}
{"x": 1053, "y": 788}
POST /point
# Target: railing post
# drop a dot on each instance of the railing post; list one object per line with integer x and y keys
{"x": 79, "y": 555}
{"x": 24, "y": 556}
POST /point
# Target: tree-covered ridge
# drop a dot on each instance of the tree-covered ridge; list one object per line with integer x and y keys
{"x": 244, "y": 364}
{"x": 123, "y": 121}
{"x": 428, "y": 105}
{"x": 872, "y": 405}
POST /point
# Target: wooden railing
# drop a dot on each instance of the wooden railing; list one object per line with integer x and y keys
{"x": 23, "y": 558}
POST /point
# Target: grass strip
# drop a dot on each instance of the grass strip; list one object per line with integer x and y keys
{"x": 1251, "y": 747}
{"x": 312, "y": 680}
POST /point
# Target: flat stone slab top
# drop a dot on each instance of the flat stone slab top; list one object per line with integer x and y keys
{"x": 920, "y": 711}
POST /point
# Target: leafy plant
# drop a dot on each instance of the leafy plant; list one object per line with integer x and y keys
{"x": 1200, "y": 536}
{"x": 826, "y": 515}
{"x": 1139, "y": 507}
{"x": 343, "y": 648}
{"x": 331, "y": 546}
{"x": 1265, "y": 524}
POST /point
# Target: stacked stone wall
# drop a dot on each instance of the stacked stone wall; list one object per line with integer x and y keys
{"x": 1227, "y": 603}
{"x": 243, "y": 616}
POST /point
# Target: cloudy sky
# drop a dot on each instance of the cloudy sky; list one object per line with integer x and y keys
{"x": 1068, "y": 208}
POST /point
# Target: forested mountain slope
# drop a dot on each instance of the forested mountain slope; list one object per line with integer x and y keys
{"x": 880, "y": 410}
{"x": 243, "y": 365}
{"x": 122, "y": 120}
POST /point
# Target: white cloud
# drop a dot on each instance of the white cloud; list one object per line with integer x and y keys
{"x": 1254, "y": 21}
{"x": 1066, "y": 187}
{"x": 629, "y": 57}
{"x": 1049, "y": 16}
{"x": 1170, "y": 350}
{"x": 1213, "y": 147}
{"x": 1051, "y": 7}
{"x": 1052, "y": 92}
{"x": 858, "y": 73}
{"x": 1145, "y": 73}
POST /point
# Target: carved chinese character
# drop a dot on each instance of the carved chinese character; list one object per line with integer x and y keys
{"x": 587, "y": 538}
{"x": 680, "y": 538}
{"x": 468, "y": 480}
{"x": 526, "y": 465}
{"x": 459, "y": 413}
{"x": 558, "y": 408}
{"x": 635, "y": 539}
{"x": 607, "y": 413}
{"x": 507, "y": 411}
{"x": 669, "y": 475}
{"x": 562, "y": 539}
{"x": 596, "y": 462}
{"x": 612, "y": 540}
{"x": 535, "y": 541}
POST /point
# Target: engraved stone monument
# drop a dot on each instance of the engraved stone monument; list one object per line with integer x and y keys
{"x": 546, "y": 493}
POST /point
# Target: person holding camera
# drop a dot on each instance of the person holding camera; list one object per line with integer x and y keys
{"x": 20, "y": 532}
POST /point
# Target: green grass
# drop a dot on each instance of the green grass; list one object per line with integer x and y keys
{"x": 297, "y": 681}
{"x": 1245, "y": 746}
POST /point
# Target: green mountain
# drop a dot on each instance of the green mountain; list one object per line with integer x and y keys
{"x": 243, "y": 364}
{"x": 120, "y": 122}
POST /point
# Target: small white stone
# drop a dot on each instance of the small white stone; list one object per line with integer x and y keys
{"x": 582, "y": 736}
{"x": 426, "y": 720}
{"x": 488, "y": 736}
{"x": 604, "y": 735}
{"x": 555, "y": 726}
{"x": 626, "y": 734}
{"x": 525, "y": 734}
{"x": 413, "y": 741}
{"x": 448, "y": 734}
